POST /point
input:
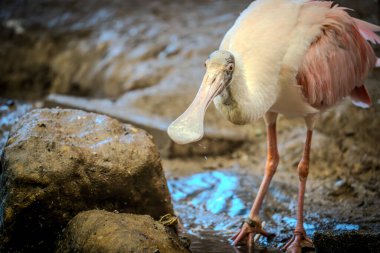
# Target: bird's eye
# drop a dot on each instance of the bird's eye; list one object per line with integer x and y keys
{"x": 205, "y": 64}
{"x": 230, "y": 67}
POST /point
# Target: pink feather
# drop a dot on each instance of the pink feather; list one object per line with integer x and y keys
{"x": 367, "y": 31}
{"x": 338, "y": 61}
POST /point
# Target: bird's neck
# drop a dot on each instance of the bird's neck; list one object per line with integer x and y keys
{"x": 243, "y": 101}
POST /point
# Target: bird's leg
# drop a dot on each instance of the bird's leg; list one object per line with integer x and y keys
{"x": 250, "y": 229}
{"x": 299, "y": 239}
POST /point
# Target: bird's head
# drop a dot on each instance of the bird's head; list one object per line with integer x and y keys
{"x": 188, "y": 127}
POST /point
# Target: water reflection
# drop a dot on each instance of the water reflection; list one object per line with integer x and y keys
{"x": 346, "y": 227}
{"x": 216, "y": 190}
{"x": 291, "y": 222}
{"x": 209, "y": 201}
{"x": 212, "y": 205}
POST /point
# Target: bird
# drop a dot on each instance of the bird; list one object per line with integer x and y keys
{"x": 297, "y": 58}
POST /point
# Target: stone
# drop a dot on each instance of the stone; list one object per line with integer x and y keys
{"x": 101, "y": 231}
{"x": 58, "y": 163}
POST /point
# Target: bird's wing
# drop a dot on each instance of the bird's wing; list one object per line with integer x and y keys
{"x": 337, "y": 62}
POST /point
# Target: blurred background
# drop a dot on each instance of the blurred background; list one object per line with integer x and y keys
{"x": 142, "y": 62}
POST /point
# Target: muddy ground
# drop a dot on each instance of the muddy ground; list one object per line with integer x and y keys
{"x": 143, "y": 63}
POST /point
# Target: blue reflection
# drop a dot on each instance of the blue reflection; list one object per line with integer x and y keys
{"x": 214, "y": 203}
{"x": 346, "y": 227}
{"x": 208, "y": 201}
{"x": 292, "y": 222}
{"x": 237, "y": 208}
{"x": 215, "y": 190}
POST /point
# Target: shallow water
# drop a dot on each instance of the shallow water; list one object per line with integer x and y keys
{"x": 210, "y": 243}
{"x": 211, "y": 206}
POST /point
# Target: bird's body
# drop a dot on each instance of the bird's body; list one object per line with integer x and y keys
{"x": 303, "y": 58}
{"x": 291, "y": 57}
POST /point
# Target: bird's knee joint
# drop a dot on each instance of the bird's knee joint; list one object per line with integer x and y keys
{"x": 272, "y": 164}
{"x": 303, "y": 169}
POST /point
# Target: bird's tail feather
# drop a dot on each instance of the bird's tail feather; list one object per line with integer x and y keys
{"x": 367, "y": 30}
{"x": 360, "y": 97}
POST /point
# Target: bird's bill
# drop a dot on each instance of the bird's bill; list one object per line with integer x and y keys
{"x": 189, "y": 126}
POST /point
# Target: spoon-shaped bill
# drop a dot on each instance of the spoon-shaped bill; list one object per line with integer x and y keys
{"x": 189, "y": 126}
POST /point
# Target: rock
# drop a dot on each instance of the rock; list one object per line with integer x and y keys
{"x": 101, "y": 231}
{"x": 58, "y": 163}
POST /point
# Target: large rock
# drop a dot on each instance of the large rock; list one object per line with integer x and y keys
{"x": 105, "y": 232}
{"x": 60, "y": 162}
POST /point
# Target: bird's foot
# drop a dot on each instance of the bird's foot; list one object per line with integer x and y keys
{"x": 250, "y": 231}
{"x": 298, "y": 242}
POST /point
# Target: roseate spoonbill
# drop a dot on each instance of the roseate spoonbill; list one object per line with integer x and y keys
{"x": 293, "y": 57}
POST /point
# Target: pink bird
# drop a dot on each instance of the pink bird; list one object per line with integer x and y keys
{"x": 292, "y": 57}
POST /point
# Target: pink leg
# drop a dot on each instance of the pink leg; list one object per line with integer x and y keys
{"x": 299, "y": 239}
{"x": 247, "y": 232}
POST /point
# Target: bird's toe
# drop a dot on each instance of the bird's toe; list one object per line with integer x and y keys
{"x": 250, "y": 232}
{"x": 294, "y": 249}
{"x": 297, "y": 243}
{"x": 307, "y": 243}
